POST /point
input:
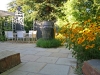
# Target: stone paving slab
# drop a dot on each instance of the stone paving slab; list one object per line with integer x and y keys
{"x": 29, "y": 48}
{"x": 72, "y": 70}
{"x": 24, "y": 61}
{"x": 30, "y": 57}
{"x": 20, "y": 51}
{"x": 12, "y": 69}
{"x": 36, "y": 74}
{"x": 52, "y": 50}
{"x": 66, "y": 61}
{"x": 18, "y": 73}
{"x": 65, "y": 51}
{"x": 4, "y": 73}
{"x": 61, "y": 48}
{"x": 40, "y": 61}
{"x": 43, "y": 53}
{"x": 70, "y": 55}
{"x": 53, "y": 69}
{"x": 32, "y": 67}
{"x": 30, "y": 52}
{"x": 47, "y": 59}
{"x": 21, "y": 55}
{"x": 61, "y": 55}
{"x": 40, "y": 49}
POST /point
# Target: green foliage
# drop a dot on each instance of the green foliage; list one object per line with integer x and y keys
{"x": 52, "y": 43}
{"x": 61, "y": 37}
{"x": 2, "y": 38}
{"x": 78, "y": 11}
{"x": 28, "y": 14}
{"x": 68, "y": 12}
{"x": 78, "y": 69}
{"x": 46, "y": 9}
{"x": 42, "y": 10}
{"x": 7, "y": 26}
{"x": 83, "y": 40}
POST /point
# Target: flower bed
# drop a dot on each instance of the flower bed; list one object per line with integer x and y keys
{"x": 83, "y": 39}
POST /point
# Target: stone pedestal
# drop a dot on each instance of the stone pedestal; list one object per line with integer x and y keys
{"x": 8, "y": 59}
{"x": 91, "y": 67}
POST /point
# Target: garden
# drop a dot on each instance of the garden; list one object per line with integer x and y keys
{"x": 76, "y": 25}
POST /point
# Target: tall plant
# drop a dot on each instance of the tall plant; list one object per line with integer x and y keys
{"x": 37, "y": 9}
{"x": 79, "y": 11}
{"x": 83, "y": 41}
{"x": 45, "y": 9}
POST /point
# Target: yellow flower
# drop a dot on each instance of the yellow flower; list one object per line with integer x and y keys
{"x": 74, "y": 31}
{"x": 90, "y": 38}
{"x": 81, "y": 40}
{"x": 71, "y": 35}
{"x": 61, "y": 38}
{"x": 73, "y": 40}
{"x": 85, "y": 22}
{"x": 86, "y": 31}
{"x": 83, "y": 45}
{"x": 88, "y": 20}
{"x": 91, "y": 46}
{"x": 92, "y": 25}
{"x": 97, "y": 29}
{"x": 87, "y": 47}
{"x": 99, "y": 48}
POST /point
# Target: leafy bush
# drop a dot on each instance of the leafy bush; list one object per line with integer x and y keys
{"x": 2, "y": 38}
{"x": 83, "y": 40}
{"x": 61, "y": 37}
{"x": 52, "y": 43}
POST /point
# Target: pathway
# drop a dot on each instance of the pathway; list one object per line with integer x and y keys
{"x": 40, "y": 61}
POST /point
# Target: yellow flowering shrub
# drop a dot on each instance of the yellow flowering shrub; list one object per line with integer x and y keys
{"x": 84, "y": 39}
{"x": 61, "y": 38}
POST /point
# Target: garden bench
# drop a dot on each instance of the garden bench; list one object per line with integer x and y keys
{"x": 8, "y": 59}
{"x": 91, "y": 67}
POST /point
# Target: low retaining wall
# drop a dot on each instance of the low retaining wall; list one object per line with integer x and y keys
{"x": 8, "y": 59}
{"x": 91, "y": 67}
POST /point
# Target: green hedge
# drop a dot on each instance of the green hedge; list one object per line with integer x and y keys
{"x": 52, "y": 43}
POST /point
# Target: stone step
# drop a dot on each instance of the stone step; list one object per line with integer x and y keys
{"x": 8, "y": 59}
{"x": 91, "y": 67}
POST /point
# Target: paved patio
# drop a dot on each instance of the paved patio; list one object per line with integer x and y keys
{"x": 40, "y": 61}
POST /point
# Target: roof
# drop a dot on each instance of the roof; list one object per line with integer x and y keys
{"x": 6, "y": 13}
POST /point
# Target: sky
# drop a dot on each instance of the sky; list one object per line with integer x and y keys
{"x": 3, "y": 4}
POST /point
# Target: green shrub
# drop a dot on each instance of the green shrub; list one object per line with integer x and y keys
{"x": 2, "y": 38}
{"x": 52, "y": 43}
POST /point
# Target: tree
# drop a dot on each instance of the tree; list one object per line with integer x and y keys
{"x": 79, "y": 11}
{"x": 37, "y": 9}
{"x": 42, "y": 9}
{"x": 45, "y": 9}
